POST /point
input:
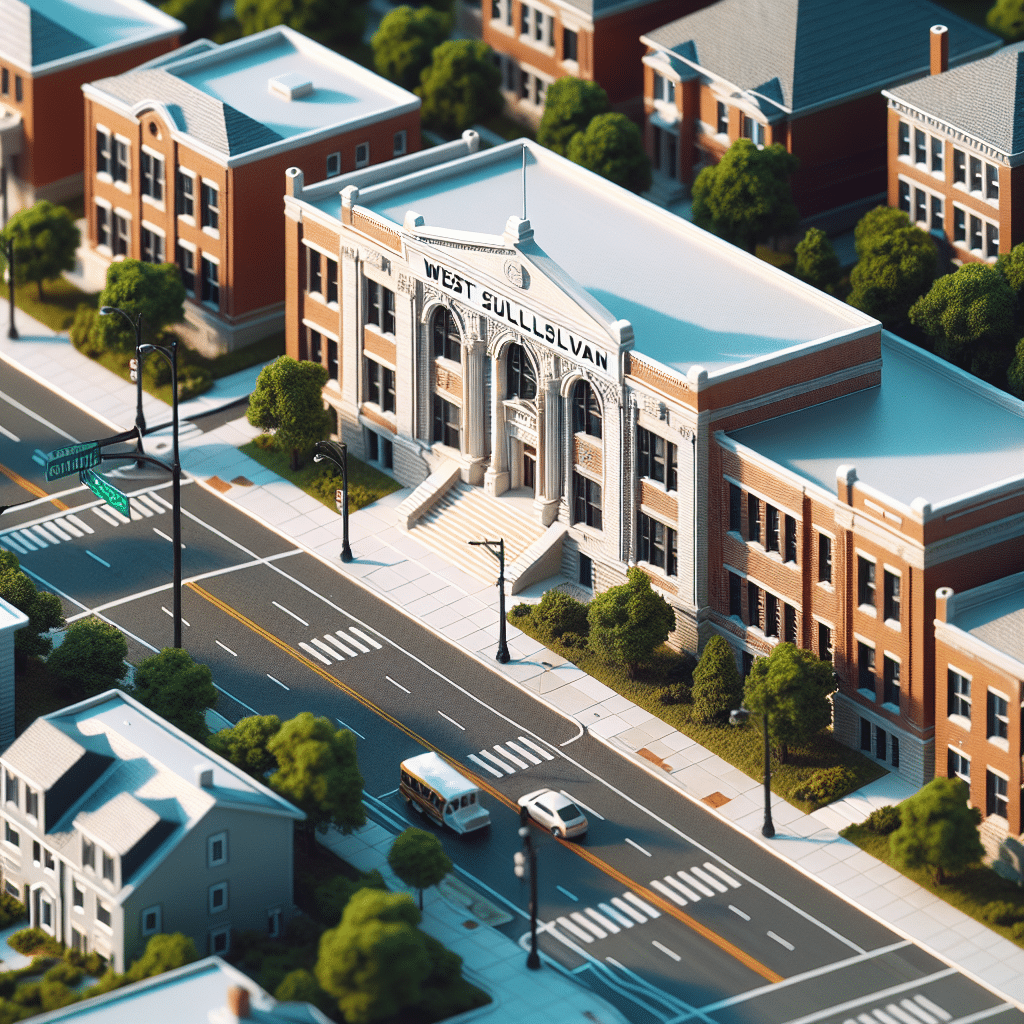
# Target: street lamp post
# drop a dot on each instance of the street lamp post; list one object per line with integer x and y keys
{"x": 12, "y": 331}
{"x": 526, "y": 864}
{"x": 169, "y": 353}
{"x": 336, "y": 452}
{"x": 499, "y": 544}
{"x": 738, "y": 717}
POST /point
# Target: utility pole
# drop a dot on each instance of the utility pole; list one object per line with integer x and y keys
{"x": 526, "y": 865}
{"x": 497, "y": 548}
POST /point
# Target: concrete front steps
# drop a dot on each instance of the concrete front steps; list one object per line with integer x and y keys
{"x": 464, "y": 513}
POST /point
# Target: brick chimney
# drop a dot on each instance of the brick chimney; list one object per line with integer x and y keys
{"x": 939, "y": 40}
{"x": 238, "y": 1002}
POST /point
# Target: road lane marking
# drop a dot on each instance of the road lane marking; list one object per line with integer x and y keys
{"x": 32, "y": 488}
{"x": 327, "y": 650}
{"x": 668, "y": 952}
{"x": 589, "y": 810}
{"x": 13, "y": 437}
{"x": 644, "y": 906}
{"x": 368, "y": 639}
{"x": 615, "y": 915}
{"x": 496, "y": 760}
{"x": 539, "y": 749}
{"x": 901, "y": 1015}
{"x": 452, "y": 720}
{"x": 150, "y": 502}
{"x": 39, "y": 419}
{"x": 585, "y": 922}
{"x": 66, "y": 524}
{"x": 170, "y": 540}
{"x": 565, "y": 923}
{"x": 565, "y": 892}
{"x": 668, "y": 893}
{"x": 278, "y": 681}
{"x": 106, "y": 516}
{"x": 781, "y": 941}
{"x": 344, "y": 648}
{"x": 737, "y": 911}
{"x": 399, "y": 685}
{"x": 679, "y": 887}
{"x": 10, "y": 542}
{"x": 924, "y": 1001}
{"x": 699, "y": 886}
{"x": 602, "y": 921}
{"x": 80, "y": 523}
{"x": 98, "y": 559}
{"x": 710, "y": 879}
{"x": 167, "y": 611}
{"x": 316, "y": 654}
{"x": 637, "y": 846}
{"x": 715, "y": 870}
{"x": 362, "y": 737}
{"x": 627, "y": 909}
{"x": 522, "y": 752}
{"x": 486, "y": 767}
{"x": 288, "y": 612}
{"x": 141, "y": 509}
{"x": 352, "y": 640}
{"x": 511, "y": 757}
{"x": 226, "y": 648}
{"x": 52, "y": 528}
{"x": 39, "y": 536}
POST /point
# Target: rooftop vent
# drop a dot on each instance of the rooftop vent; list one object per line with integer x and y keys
{"x": 204, "y": 776}
{"x": 291, "y": 86}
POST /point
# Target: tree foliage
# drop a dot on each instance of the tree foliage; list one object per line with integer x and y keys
{"x": 42, "y": 608}
{"x": 461, "y": 86}
{"x": 612, "y": 146}
{"x": 1007, "y": 18}
{"x": 287, "y": 400}
{"x": 746, "y": 198}
{"x": 334, "y": 23}
{"x": 969, "y": 317}
{"x": 45, "y": 238}
{"x": 405, "y": 42}
{"x": 792, "y": 687}
{"x": 419, "y": 860}
{"x": 178, "y": 689}
{"x": 90, "y": 659}
{"x": 1015, "y": 374}
{"x": 570, "y": 104}
{"x": 163, "y": 953}
{"x": 1011, "y": 266}
{"x": 318, "y": 772}
{"x": 245, "y": 744}
{"x": 201, "y": 17}
{"x": 152, "y": 289}
{"x": 816, "y": 260}
{"x": 938, "y": 830}
{"x": 717, "y": 685}
{"x": 628, "y": 622}
{"x": 875, "y": 225}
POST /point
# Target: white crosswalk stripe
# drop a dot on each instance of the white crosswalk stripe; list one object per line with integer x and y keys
{"x": 627, "y": 909}
{"x": 80, "y": 523}
{"x": 54, "y": 531}
{"x": 343, "y": 645}
{"x": 315, "y": 653}
{"x": 728, "y": 879}
{"x": 369, "y": 639}
{"x": 602, "y": 921}
{"x": 327, "y": 650}
{"x": 615, "y": 915}
{"x": 927, "y": 1004}
{"x": 572, "y": 929}
{"x": 40, "y": 536}
{"x": 30, "y": 542}
{"x": 511, "y": 757}
{"x": 585, "y": 922}
{"x": 641, "y": 904}
{"x": 621, "y": 912}
{"x": 522, "y": 752}
{"x": 335, "y": 642}
{"x": 901, "y": 1015}
{"x": 679, "y": 887}
{"x": 13, "y": 544}
{"x": 692, "y": 883}
{"x": 538, "y": 749}
{"x": 525, "y": 756}
{"x": 108, "y": 517}
{"x": 501, "y": 764}
{"x": 710, "y": 879}
{"x": 668, "y": 893}
{"x": 486, "y": 767}
{"x": 348, "y": 638}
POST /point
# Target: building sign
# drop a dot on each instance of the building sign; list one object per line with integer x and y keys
{"x": 523, "y": 319}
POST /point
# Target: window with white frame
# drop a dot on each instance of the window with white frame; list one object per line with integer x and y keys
{"x": 974, "y": 164}
{"x": 959, "y": 224}
{"x": 997, "y": 800}
{"x": 501, "y": 11}
{"x": 380, "y": 307}
{"x": 11, "y": 835}
{"x": 824, "y": 642}
{"x": 865, "y": 582}
{"x": 664, "y": 89}
{"x": 11, "y": 788}
{"x": 920, "y": 147}
{"x": 866, "y": 668}
{"x": 721, "y": 118}
{"x": 656, "y": 544}
{"x": 937, "y": 153}
{"x": 103, "y": 225}
{"x": 891, "y": 595}
{"x": 152, "y": 176}
{"x": 210, "y": 206}
{"x": 890, "y": 680}
{"x": 959, "y": 694}
{"x": 45, "y": 912}
{"x": 103, "y": 913}
{"x": 958, "y": 765}
{"x": 220, "y": 941}
{"x": 997, "y": 717}
{"x": 152, "y": 245}
{"x": 903, "y": 144}
{"x": 104, "y": 152}
{"x": 991, "y": 181}
{"x": 959, "y": 167}
{"x": 824, "y": 558}
{"x": 187, "y": 265}
{"x": 217, "y": 850}
{"x": 400, "y": 143}
{"x": 211, "y": 281}
{"x": 570, "y": 44}
{"x": 31, "y": 803}
{"x": 333, "y": 165}
{"x": 151, "y": 920}
{"x": 753, "y": 130}
{"x": 120, "y": 168}
{"x": 362, "y": 154}
{"x": 185, "y": 193}
{"x": 108, "y": 866}
{"x": 380, "y": 384}
{"x": 218, "y": 898}
{"x": 122, "y": 233}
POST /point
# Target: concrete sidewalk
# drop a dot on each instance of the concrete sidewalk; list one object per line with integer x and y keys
{"x": 393, "y": 564}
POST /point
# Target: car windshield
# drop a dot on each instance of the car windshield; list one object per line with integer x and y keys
{"x": 570, "y": 812}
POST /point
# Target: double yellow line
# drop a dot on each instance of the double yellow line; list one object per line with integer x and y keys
{"x": 643, "y": 892}
{"x": 31, "y": 487}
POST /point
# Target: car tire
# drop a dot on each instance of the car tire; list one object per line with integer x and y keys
{"x": 554, "y": 831}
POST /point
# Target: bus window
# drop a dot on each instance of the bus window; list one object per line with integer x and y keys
{"x": 465, "y": 801}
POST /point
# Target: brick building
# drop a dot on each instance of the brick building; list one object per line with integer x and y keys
{"x": 804, "y": 73}
{"x": 979, "y": 689}
{"x": 186, "y": 156}
{"x": 539, "y": 41}
{"x": 611, "y": 385}
{"x": 956, "y": 146}
{"x": 48, "y": 48}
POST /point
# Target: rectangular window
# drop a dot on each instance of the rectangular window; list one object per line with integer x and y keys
{"x": 753, "y": 518}
{"x": 959, "y": 166}
{"x": 892, "y": 596}
{"x": 904, "y": 139}
{"x": 753, "y": 130}
{"x": 400, "y": 144}
{"x": 959, "y": 694}
{"x": 524, "y": 85}
{"x": 218, "y": 898}
{"x": 975, "y": 174}
{"x": 120, "y": 172}
{"x": 186, "y": 195}
{"x": 11, "y": 788}
{"x": 331, "y": 273}
{"x": 772, "y": 528}
{"x": 722, "y": 117}
{"x": 824, "y": 558}
{"x": 958, "y": 765}
{"x": 380, "y": 385}
{"x": 524, "y": 20}
{"x": 333, "y": 168}
{"x": 88, "y": 854}
{"x": 904, "y": 200}
{"x": 866, "y": 668}
{"x": 18, "y": 94}
{"x": 316, "y": 352}
{"x": 656, "y": 458}
{"x": 880, "y": 743}
{"x": 187, "y": 266}
{"x": 937, "y": 153}
{"x": 975, "y": 242}
{"x": 735, "y": 595}
{"x": 824, "y": 642}
{"x": 122, "y": 235}
{"x": 151, "y": 921}
{"x": 937, "y": 218}
{"x": 894, "y": 760}
{"x": 152, "y": 176}
{"x": 890, "y": 681}
{"x": 211, "y": 206}
{"x": 37, "y": 852}
{"x": 790, "y": 539}
{"x": 5, "y": 82}
{"x": 102, "y": 913}
{"x": 920, "y": 147}
{"x": 211, "y": 282}
{"x": 959, "y": 225}
{"x": 220, "y": 941}
{"x": 446, "y": 422}
{"x": 104, "y": 162}
{"x": 332, "y": 360}
{"x": 657, "y": 544}
{"x": 991, "y": 181}
{"x": 771, "y": 615}
{"x": 152, "y": 246}
{"x": 78, "y": 941}
{"x": 587, "y": 501}
{"x": 997, "y": 720}
{"x": 996, "y": 795}
{"x": 48, "y": 862}
{"x": 78, "y": 896}
{"x": 920, "y": 206}
{"x": 314, "y": 273}
{"x": 362, "y": 154}
{"x": 380, "y": 307}
{"x": 31, "y": 803}
{"x": 570, "y": 44}
{"x": 108, "y": 867}
{"x": 753, "y": 604}
{"x": 538, "y": 26}
{"x": 45, "y": 912}
{"x": 991, "y": 240}
{"x": 735, "y": 509}
{"x": 865, "y": 735}
{"x": 102, "y": 226}
{"x": 865, "y": 582}
{"x": 790, "y": 625}
{"x": 586, "y": 572}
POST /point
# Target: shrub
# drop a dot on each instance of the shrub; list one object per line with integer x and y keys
{"x": 64, "y": 972}
{"x": 883, "y": 820}
{"x": 328, "y": 483}
{"x": 574, "y": 641}
{"x": 826, "y": 785}
{"x": 55, "y": 994}
{"x": 91, "y": 963}
{"x": 332, "y": 897}
{"x": 521, "y": 611}
{"x": 83, "y": 333}
{"x": 31, "y": 940}
{"x": 27, "y": 994}
{"x": 1018, "y": 931}
{"x": 11, "y": 910}
{"x": 717, "y": 684}
{"x": 1002, "y": 912}
{"x": 558, "y": 613}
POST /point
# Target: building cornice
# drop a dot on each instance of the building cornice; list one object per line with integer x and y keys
{"x": 960, "y": 640}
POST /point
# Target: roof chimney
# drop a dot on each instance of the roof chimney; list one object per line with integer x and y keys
{"x": 238, "y": 1002}
{"x": 939, "y": 39}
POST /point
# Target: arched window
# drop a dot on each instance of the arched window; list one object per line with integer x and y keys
{"x": 445, "y": 334}
{"x": 521, "y": 380}
{"x": 586, "y": 411}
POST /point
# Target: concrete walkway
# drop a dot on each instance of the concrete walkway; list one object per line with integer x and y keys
{"x": 460, "y": 608}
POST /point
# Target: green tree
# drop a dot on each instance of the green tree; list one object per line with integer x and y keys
{"x": 287, "y": 399}
{"x": 570, "y": 104}
{"x": 1007, "y": 18}
{"x": 178, "y": 689}
{"x": 201, "y": 17}
{"x": 1011, "y": 266}
{"x": 717, "y": 685}
{"x": 405, "y": 42}
{"x": 245, "y": 744}
{"x": 969, "y": 317}
{"x": 938, "y": 830}
{"x": 613, "y": 147}
{"x": 91, "y": 658}
{"x": 356, "y": 962}
{"x": 152, "y": 289}
{"x": 334, "y": 23}
{"x": 163, "y": 953}
{"x": 792, "y": 687}
{"x": 628, "y": 622}
{"x": 419, "y": 860}
{"x": 1015, "y": 374}
{"x": 42, "y": 608}
{"x": 461, "y": 87}
{"x": 875, "y": 225}
{"x": 893, "y": 271}
{"x": 816, "y": 260}
{"x": 301, "y": 986}
{"x": 45, "y": 239}
{"x": 746, "y": 198}
{"x": 319, "y": 773}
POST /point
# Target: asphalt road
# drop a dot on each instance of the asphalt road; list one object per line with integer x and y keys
{"x": 663, "y": 907}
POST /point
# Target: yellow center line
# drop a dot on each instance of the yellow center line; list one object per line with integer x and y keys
{"x": 31, "y": 487}
{"x": 642, "y": 891}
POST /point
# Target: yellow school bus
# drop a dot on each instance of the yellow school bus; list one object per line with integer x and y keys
{"x": 431, "y": 785}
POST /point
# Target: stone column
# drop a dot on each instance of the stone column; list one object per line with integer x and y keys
{"x": 496, "y": 479}
{"x": 474, "y": 395}
{"x": 546, "y": 501}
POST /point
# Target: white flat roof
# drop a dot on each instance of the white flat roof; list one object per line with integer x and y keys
{"x": 691, "y": 298}
{"x": 929, "y": 431}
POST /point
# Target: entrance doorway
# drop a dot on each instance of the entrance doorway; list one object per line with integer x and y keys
{"x": 529, "y": 466}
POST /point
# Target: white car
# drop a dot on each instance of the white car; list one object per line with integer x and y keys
{"x": 555, "y": 812}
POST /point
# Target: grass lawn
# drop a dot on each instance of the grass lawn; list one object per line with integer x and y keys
{"x": 509, "y": 129}
{"x": 57, "y": 308}
{"x": 365, "y": 484}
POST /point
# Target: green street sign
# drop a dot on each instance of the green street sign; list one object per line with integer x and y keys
{"x": 107, "y": 491}
{"x": 65, "y": 461}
